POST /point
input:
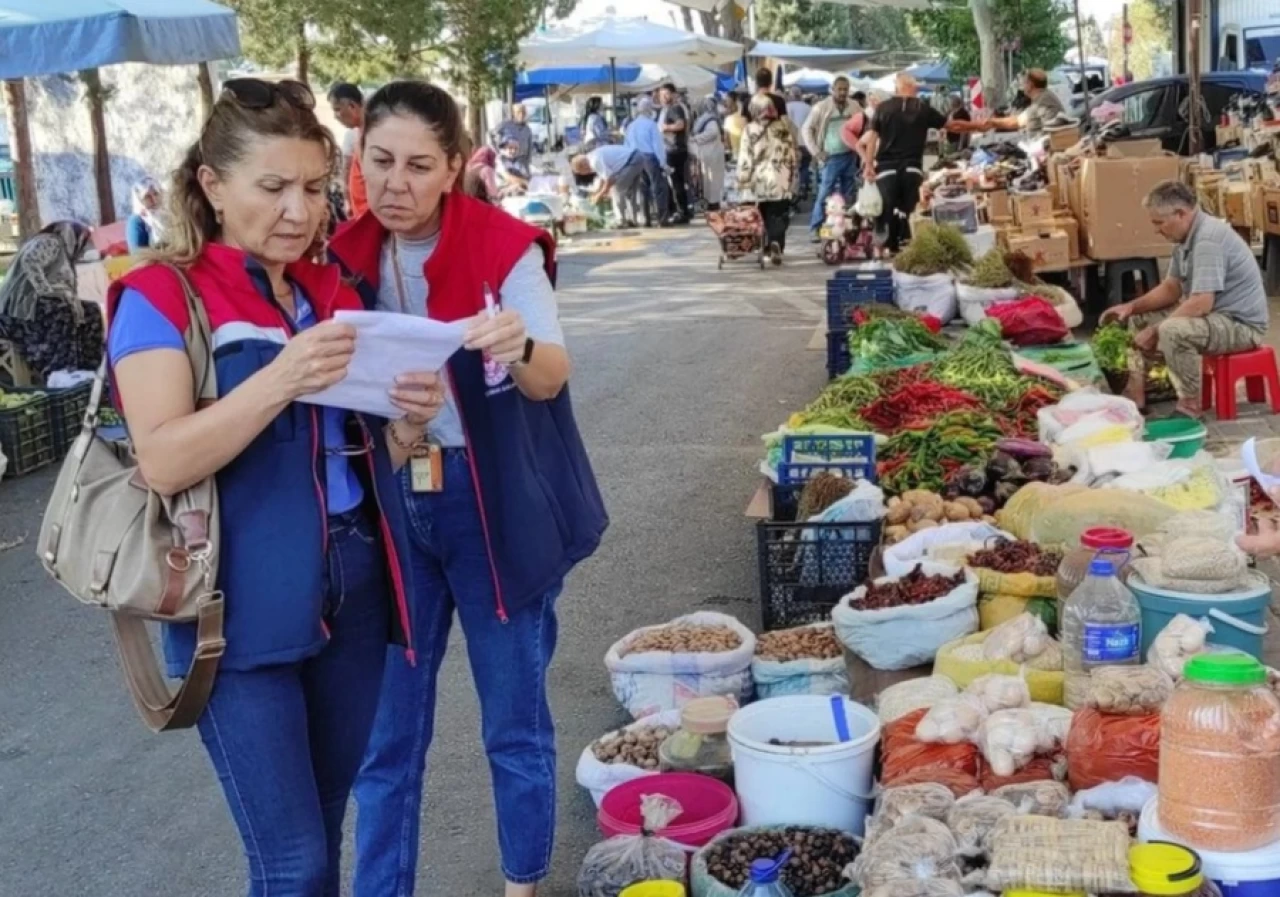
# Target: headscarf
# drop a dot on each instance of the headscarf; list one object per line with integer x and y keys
{"x": 157, "y": 220}
{"x": 485, "y": 156}
{"x": 45, "y": 267}
{"x": 762, "y": 108}
{"x": 708, "y": 111}
{"x": 645, "y": 107}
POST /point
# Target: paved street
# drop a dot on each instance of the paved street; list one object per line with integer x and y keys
{"x": 678, "y": 369}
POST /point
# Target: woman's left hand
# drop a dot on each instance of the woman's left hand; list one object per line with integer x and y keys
{"x": 502, "y": 336}
{"x": 419, "y": 395}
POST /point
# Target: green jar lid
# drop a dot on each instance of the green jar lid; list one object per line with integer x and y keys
{"x": 1225, "y": 669}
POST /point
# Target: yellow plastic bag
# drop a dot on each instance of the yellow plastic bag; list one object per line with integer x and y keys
{"x": 1019, "y": 512}
{"x": 1020, "y": 585}
{"x": 1045, "y": 686}
{"x": 1059, "y": 525}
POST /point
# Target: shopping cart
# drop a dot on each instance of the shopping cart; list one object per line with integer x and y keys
{"x": 740, "y": 230}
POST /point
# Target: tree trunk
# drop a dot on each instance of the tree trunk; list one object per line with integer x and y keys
{"x": 95, "y": 94}
{"x": 475, "y": 113}
{"x": 24, "y": 168}
{"x": 304, "y": 53}
{"x": 709, "y": 26}
{"x": 204, "y": 77}
{"x": 992, "y": 68}
{"x": 687, "y": 14}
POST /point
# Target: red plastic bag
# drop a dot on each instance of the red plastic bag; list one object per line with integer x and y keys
{"x": 905, "y": 760}
{"x": 1029, "y": 321}
{"x": 1104, "y": 747}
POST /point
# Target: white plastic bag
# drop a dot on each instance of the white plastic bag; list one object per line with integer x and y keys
{"x": 897, "y": 638}
{"x": 900, "y": 558}
{"x": 997, "y": 691}
{"x": 932, "y": 294}
{"x": 1085, "y": 414}
{"x": 808, "y": 676}
{"x": 952, "y": 721}
{"x": 902, "y": 698}
{"x": 1112, "y": 799}
{"x": 1181, "y": 639}
{"x": 869, "y": 204}
{"x": 612, "y": 866}
{"x": 599, "y": 778}
{"x": 653, "y": 681}
{"x": 1010, "y": 738}
{"x": 974, "y": 301}
{"x": 1019, "y": 640}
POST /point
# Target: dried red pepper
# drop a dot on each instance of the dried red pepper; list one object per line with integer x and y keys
{"x": 921, "y": 401}
{"x": 914, "y": 588}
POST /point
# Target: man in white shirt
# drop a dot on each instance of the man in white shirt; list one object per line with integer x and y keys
{"x": 617, "y": 171}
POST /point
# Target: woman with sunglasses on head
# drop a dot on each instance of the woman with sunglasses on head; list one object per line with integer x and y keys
{"x": 500, "y": 495}
{"x": 312, "y": 531}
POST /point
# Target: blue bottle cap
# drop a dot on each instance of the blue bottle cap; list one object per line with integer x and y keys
{"x": 766, "y": 871}
{"x": 1101, "y": 567}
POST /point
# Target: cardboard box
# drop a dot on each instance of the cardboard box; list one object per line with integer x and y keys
{"x": 1032, "y": 208}
{"x": 1112, "y": 218}
{"x": 1227, "y": 134}
{"x": 1134, "y": 149}
{"x": 1047, "y": 247}
{"x": 1236, "y": 204}
{"x": 1062, "y": 138}
{"x": 1067, "y": 223}
{"x": 998, "y": 205}
{"x": 1270, "y": 212}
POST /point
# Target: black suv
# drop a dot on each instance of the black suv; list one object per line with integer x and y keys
{"x": 1157, "y": 107}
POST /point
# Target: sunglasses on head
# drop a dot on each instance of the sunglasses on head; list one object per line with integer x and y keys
{"x": 254, "y": 93}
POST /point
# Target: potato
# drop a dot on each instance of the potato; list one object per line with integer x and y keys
{"x": 975, "y": 509}
{"x": 919, "y": 525}
{"x": 895, "y": 534}
{"x": 897, "y": 514}
{"x": 956, "y": 511}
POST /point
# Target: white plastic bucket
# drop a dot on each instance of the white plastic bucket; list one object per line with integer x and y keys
{"x": 828, "y": 785}
{"x": 1251, "y": 873}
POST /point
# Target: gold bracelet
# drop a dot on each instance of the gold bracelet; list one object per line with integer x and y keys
{"x": 400, "y": 443}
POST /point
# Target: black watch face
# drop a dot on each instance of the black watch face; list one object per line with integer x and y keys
{"x": 528, "y": 350}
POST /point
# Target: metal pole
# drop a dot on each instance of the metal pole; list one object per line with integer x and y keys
{"x": 1084, "y": 72}
{"x": 613, "y": 89}
{"x": 1195, "y": 129}
{"x": 1126, "y": 35}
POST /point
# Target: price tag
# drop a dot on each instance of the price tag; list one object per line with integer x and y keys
{"x": 426, "y": 468}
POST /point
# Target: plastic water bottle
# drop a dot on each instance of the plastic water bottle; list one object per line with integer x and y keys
{"x": 764, "y": 878}
{"x": 1101, "y": 627}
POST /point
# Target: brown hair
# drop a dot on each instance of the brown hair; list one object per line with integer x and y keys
{"x": 426, "y": 102}
{"x": 222, "y": 145}
{"x": 1037, "y": 78}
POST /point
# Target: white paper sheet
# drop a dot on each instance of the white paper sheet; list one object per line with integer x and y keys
{"x": 388, "y": 345}
{"x": 1249, "y": 455}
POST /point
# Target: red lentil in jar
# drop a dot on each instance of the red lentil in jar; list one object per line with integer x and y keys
{"x": 1220, "y": 756}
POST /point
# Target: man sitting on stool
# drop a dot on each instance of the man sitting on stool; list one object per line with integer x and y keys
{"x": 1211, "y": 303}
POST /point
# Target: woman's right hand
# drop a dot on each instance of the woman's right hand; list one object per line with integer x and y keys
{"x": 315, "y": 359}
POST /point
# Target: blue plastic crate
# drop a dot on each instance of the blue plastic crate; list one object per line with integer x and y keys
{"x": 848, "y": 289}
{"x": 839, "y": 360}
{"x": 855, "y": 452}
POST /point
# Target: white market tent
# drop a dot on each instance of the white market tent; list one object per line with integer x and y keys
{"x": 810, "y": 57}
{"x": 697, "y": 80}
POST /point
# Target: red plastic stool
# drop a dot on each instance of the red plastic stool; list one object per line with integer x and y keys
{"x": 1258, "y": 369}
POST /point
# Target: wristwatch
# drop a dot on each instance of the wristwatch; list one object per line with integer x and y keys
{"x": 528, "y": 353}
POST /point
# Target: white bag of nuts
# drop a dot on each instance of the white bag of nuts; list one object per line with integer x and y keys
{"x": 624, "y": 754}
{"x": 657, "y": 668}
{"x": 806, "y": 660}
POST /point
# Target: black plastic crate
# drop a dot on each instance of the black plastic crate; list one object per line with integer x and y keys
{"x": 26, "y": 437}
{"x": 839, "y": 359}
{"x": 806, "y": 568}
{"x": 66, "y": 414}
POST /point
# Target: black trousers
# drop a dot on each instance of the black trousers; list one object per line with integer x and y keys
{"x": 678, "y": 162}
{"x": 900, "y": 191}
{"x": 777, "y": 218}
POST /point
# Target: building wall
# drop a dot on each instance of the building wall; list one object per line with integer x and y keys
{"x": 152, "y": 115}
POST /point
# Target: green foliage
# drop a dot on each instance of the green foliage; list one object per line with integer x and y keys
{"x": 820, "y": 24}
{"x": 1036, "y": 24}
{"x": 933, "y": 251}
{"x": 1152, "y": 25}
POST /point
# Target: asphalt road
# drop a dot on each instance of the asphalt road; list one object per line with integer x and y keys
{"x": 678, "y": 369}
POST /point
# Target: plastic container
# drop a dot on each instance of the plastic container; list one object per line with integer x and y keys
{"x": 806, "y": 568}
{"x": 655, "y": 889}
{"x": 1253, "y": 873}
{"x": 710, "y": 807}
{"x": 1098, "y": 541}
{"x": 701, "y": 744}
{"x": 1185, "y": 435}
{"x": 804, "y": 457}
{"x": 1101, "y": 626}
{"x": 839, "y": 358}
{"x": 26, "y": 436}
{"x": 764, "y": 878}
{"x": 1239, "y": 618}
{"x": 804, "y": 760}
{"x": 1220, "y": 756}
{"x": 959, "y": 211}
{"x": 1164, "y": 869}
{"x": 850, "y": 287}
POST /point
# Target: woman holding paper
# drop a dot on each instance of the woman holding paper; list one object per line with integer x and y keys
{"x": 501, "y": 499}
{"x": 312, "y": 544}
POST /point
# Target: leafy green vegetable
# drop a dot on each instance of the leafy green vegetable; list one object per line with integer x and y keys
{"x": 886, "y": 340}
{"x": 1111, "y": 346}
{"x": 990, "y": 272}
{"x": 934, "y": 251}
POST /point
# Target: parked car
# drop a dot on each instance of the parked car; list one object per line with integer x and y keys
{"x": 1158, "y": 107}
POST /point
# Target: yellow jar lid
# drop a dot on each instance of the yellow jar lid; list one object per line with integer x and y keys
{"x": 654, "y": 889}
{"x": 1161, "y": 868}
{"x": 1030, "y": 893}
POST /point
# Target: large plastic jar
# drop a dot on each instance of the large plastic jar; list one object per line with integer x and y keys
{"x": 1220, "y": 756}
{"x": 1111, "y": 542}
{"x": 701, "y": 744}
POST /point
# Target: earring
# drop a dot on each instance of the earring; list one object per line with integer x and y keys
{"x": 217, "y": 215}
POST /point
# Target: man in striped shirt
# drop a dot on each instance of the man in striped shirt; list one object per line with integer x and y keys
{"x": 1211, "y": 303}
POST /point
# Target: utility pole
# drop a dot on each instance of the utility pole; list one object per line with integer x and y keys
{"x": 1128, "y": 39}
{"x": 1195, "y": 127}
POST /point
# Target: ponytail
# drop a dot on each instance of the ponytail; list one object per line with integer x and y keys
{"x": 193, "y": 220}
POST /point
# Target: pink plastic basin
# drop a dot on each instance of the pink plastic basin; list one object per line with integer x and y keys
{"x": 710, "y": 807}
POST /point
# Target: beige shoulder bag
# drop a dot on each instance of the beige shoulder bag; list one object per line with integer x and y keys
{"x": 114, "y": 543}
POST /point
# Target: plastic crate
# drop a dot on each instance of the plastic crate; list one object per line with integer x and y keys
{"x": 847, "y": 456}
{"x": 26, "y": 437}
{"x": 66, "y": 414}
{"x": 839, "y": 359}
{"x": 806, "y": 568}
{"x": 848, "y": 289}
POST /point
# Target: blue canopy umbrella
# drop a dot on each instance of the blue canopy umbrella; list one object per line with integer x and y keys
{"x": 39, "y": 37}
{"x": 534, "y": 82}
{"x": 931, "y": 72}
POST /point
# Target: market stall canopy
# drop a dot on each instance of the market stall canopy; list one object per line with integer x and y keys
{"x": 810, "y": 80}
{"x": 810, "y": 57}
{"x": 39, "y": 37}
{"x": 930, "y": 72}
{"x": 699, "y": 82}
{"x": 623, "y": 40}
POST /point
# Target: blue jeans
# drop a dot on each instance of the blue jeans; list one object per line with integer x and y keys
{"x": 286, "y": 741}
{"x": 838, "y": 174}
{"x": 509, "y": 663}
{"x": 655, "y": 187}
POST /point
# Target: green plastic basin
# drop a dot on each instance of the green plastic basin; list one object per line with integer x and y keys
{"x": 1187, "y": 436}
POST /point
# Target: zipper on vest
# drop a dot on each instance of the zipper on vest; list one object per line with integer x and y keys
{"x": 475, "y": 481}
{"x": 389, "y": 547}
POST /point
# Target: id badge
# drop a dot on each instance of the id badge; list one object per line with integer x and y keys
{"x": 426, "y": 468}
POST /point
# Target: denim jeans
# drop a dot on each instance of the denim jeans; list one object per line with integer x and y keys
{"x": 654, "y": 188}
{"x": 286, "y": 741}
{"x": 838, "y": 174}
{"x": 509, "y": 661}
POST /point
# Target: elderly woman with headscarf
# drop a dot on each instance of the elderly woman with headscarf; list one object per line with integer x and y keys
{"x": 50, "y": 327}
{"x": 481, "y": 177}
{"x": 145, "y": 227}
{"x": 708, "y": 148}
{"x": 767, "y": 170}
